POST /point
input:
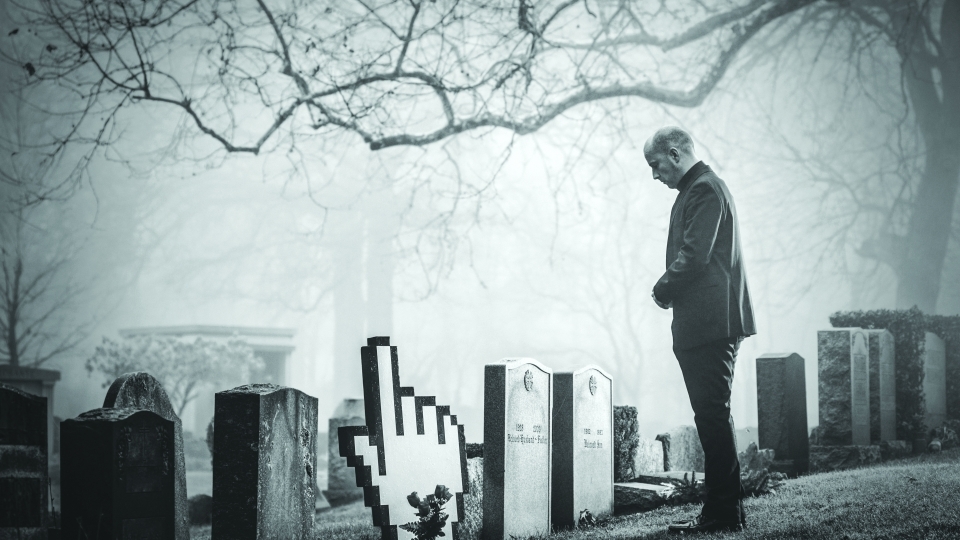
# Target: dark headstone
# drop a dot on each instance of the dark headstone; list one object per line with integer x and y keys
{"x": 23, "y": 464}
{"x": 934, "y": 381}
{"x": 843, "y": 373}
{"x": 836, "y": 458}
{"x": 38, "y": 382}
{"x": 140, "y": 390}
{"x": 517, "y": 412}
{"x": 117, "y": 475}
{"x": 782, "y": 408}
{"x": 883, "y": 386}
{"x": 582, "y": 445}
{"x": 341, "y": 480}
{"x": 264, "y": 463}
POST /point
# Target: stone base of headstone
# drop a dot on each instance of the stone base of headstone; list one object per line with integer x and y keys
{"x": 263, "y": 468}
{"x": 632, "y": 497}
{"x": 626, "y": 437}
{"x": 838, "y": 458}
{"x": 649, "y": 457}
{"x": 843, "y": 382}
{"x": 786, "y": 466}
{"x": 895, "y": 449}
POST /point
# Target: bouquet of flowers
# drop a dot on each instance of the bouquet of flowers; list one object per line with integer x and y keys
{"x": 430, "y": 515}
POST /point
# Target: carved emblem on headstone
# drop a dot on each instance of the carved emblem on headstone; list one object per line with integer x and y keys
{"x": 528, "y": 380}
{"x": 593, "y": 385}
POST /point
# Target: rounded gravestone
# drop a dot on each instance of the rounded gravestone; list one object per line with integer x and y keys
{"x": 140, "y": 390}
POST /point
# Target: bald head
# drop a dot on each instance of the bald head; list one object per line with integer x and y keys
{"x": 670, "y": 155}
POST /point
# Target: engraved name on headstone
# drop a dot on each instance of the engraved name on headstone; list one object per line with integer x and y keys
{"x": 844, "y": 386}
{"x": 934, "y": 381}
{"x": 582, "y": 445}
{"x": 517, "y": 416}
{"x": 117, "y": 475}
{"x": 23, "y": 464}
{"x": 264, "y": 463}
{"x": 782, "y": 408}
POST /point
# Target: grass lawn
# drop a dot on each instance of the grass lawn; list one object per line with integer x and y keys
{"x": 914, "y": 498}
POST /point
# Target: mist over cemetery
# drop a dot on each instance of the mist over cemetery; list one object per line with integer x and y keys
{"x": 383, "y": 270}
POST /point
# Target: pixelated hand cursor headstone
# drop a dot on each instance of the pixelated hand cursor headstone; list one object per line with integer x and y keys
{"x": 409, "y": 444}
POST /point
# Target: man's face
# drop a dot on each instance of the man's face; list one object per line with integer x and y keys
{"x": 665, "y": 167}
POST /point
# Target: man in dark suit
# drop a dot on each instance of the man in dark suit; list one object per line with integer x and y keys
{"x": 706, "y": 286}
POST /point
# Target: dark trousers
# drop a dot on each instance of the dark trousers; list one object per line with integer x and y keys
{"x": 708, "y": 374}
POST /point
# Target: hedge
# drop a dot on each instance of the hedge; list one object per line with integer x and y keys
{"x": 908, "y": 327}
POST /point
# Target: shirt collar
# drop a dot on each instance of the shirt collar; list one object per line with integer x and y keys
{"x": 698, "y": 168}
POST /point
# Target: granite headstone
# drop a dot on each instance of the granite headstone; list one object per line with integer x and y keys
{"x": 844, "y": 387}
{"x": 684, "y": 452}
{"x": 23, "y": 464}
{"x": 517, "y": 415}
{"x": 341, "y": 480}
{"x": 934, "y": 381}
{"x": 140, "y": 390}
{"x": 649, "y": 457}
{"x": 782, "y": 409}
{"x": 410, "y": 447}
{"x": 883, "y": 386}
{"x": 582, "y": 445}
{"x": 264, "y": 463}
{"x": 117, "y": 475}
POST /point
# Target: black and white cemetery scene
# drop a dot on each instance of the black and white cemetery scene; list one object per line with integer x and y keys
{"x": 479, "y": 270}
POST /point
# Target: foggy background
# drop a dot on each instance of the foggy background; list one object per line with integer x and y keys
{"x": 485, "y": 244}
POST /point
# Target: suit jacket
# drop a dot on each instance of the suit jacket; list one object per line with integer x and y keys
{"x": 705, "y": 278}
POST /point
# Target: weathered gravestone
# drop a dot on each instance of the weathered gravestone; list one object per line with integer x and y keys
{"x": 410, "y": 449}
{"x": 517, "y": 412}
{"x": 682, "y": 450}
{"x": 626, "y": 437}
{"x": 140, "y": 390}
{"x": 934, "y": 381}
{"x": 782, "y": 410}
{"x": 23, "y": 464}
{"x": 649, "y": 458}
{"x": 844, "y": 387}
{"x": 264, "y": 462}
{"x": 582, "y": 445}
{"x": 117, "y": 475}
{"x": 883, "y": 386}
{"x": 341, "y": 480}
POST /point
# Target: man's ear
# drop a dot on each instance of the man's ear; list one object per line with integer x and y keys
{"x": 674, "y": 155}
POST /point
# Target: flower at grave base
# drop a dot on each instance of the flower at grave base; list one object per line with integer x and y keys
{"x": 430, "y": 512}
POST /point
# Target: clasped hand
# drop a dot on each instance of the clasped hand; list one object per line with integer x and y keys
{"x": 659, "y": 303}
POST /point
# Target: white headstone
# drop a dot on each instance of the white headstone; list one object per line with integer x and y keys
{"x": 517, "y": 416}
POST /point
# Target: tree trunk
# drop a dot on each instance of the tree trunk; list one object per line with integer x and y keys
{"x": 348, "y": 306}
{"x": 937, "y": 109}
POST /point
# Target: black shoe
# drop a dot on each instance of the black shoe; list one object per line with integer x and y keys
{"x": 701, "y": 524}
